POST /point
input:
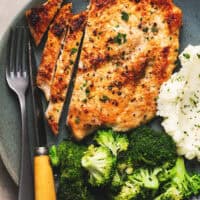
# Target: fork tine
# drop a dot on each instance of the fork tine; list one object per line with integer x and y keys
{"x": 24, "y": 60}
{"x": 19, "y": 36}
{"x": 11, "y": 51}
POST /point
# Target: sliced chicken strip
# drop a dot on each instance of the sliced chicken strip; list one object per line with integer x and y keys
{"x": 39, "y": 18}
{"x": 64, "y": 70}
{"x": 52, "y": 49}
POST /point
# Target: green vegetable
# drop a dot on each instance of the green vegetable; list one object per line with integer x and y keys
{"x": 99, "y": 162}
{"x": 146, "y": 178}
{"x": 154, "y": 28}
{"x": 104, "y": 98}
{"x": 123, "y": 169}
{"x": 145, "y": 29}
{"x": 139, "y": 184}
{"x": 113, "y": 141}
{"x": 120, "y": 38}
{"x": 178, "y": 183}
{"x": 145, "y": 167}
{"x": 70, "y": 155}
{"x": 77, "y": 120}
{"x": 150, "y": 148}
{"x": 170, "y": 194}
{"x": 87, "y": 91}
{"x": 129, "y": 191}
{"x": 124, "y": 163}
{"x": 71, "y": 62}
{"x": 73, "y": 190}
{"x": 71, "y": 182}
{"x": 142, "y": 183}
{"x": 116, "y": 183}
{"x": 117, "y": 180}
{"x": 125, "y": 16}
{"x": 73, "y": 51}
{"x": 55, "y": 161}
{"x": 186, "y": 55}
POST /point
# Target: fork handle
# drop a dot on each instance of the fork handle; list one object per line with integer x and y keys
{"x": 26, "y": 172}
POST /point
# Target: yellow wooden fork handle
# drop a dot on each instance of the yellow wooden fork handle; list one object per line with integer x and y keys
{"x": 43, "y": 178}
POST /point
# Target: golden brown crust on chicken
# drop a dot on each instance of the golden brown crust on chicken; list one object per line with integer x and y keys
{"x": 64, "y": 70}
{"x": 52, "y": 49}
{"x": 129, "y": 50}
{"x": 39, "y": 18}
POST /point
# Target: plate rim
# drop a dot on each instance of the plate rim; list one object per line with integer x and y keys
{"x": 3, "y": 155}
{"x": 11, "y": 172}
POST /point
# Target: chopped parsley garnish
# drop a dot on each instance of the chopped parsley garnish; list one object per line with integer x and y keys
{"x": 77, "y": 120}
{"x": 198, "y": 55}
{"x": 83, "y": 85}
{"x": 145, "y": 29}
{"x": 73, "y": 51}
{"x": 154, "y": 28}
{"x": 125, "y": 16}
{"x": 87, "y": 91}
{"x": 71, "y": 62}
{"x": 193, "y": 101}
{"x": 186, "y": 55}
{"x": 104, "y": 98}
{"x": 110, "y": 87}
{"x": 120, "y": 38}
{"x": 197, "y": 125}
{"x": 84, "y": 100}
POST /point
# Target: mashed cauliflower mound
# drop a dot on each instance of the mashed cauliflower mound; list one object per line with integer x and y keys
{"x": 179, "y": 104}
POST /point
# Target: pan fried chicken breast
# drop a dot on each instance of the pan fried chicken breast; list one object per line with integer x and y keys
{"x": 39, "y": 18}
{"x": 129, "y": 50}
{"x": 64, "y": 70}
{"x": 52, "y": 49}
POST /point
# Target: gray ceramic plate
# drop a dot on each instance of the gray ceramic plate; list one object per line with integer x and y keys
{"x": 9, "y": 108}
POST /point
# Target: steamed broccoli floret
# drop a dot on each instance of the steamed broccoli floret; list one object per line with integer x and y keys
{"x": 141, "y": 184}
{"x": 179, "y": 184}
{"x": 123, "y": 168}
{"x": 116, "y": 182}
{"x": 151, "y": 148}
{"x": 73, "y": 190}
{"x": 170, "y": 194}
{"x": 115, "y": 142}
{"x": 99, "y": 162}
{"x": 125, "y": 164}
{"x": 146, "y": 178}
{"x": 55, "y": 161}
{"x": 129, "y": 191}
{"x": 70, "y": 155}
{"x": 71, "y": 179}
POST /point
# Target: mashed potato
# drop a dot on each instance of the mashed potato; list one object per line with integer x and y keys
{"x": 179, "y": 104}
